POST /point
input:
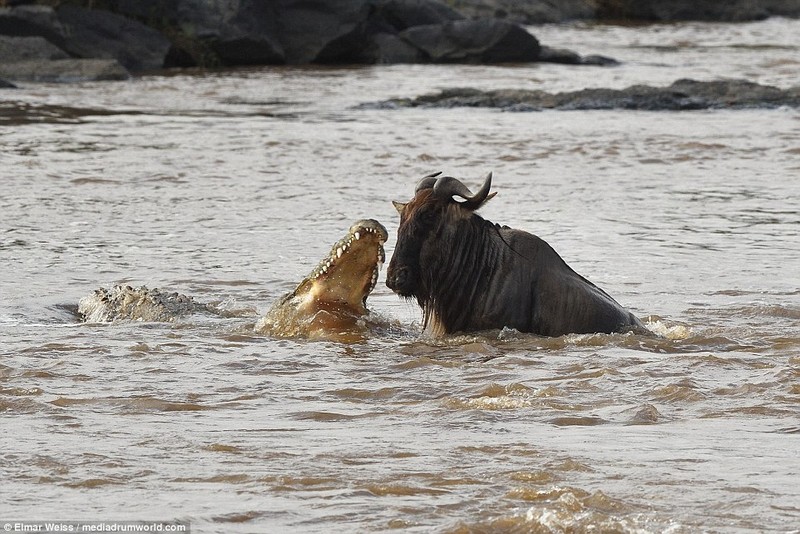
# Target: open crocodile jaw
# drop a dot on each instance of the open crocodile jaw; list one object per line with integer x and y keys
{"x": 344, "y": 280}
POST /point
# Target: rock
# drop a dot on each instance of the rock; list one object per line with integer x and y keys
{"x": 101, "y": 34}
{"x": 782, "y": 8}
{"x": 647, "y": 414}
{"x": 31, "y": 20}
{"x": 26, "y": 48}
{"x": 707, "y": 10}
{"x": 221, "y": 32}
{"x": 737, "y": 93}
{"x": 559, "y": 55}
{"x": 681, "y": 95}
{"x": 387, "y": 48}
{"x": 285, "y": 31}
{"x": 403, "y": 14}
{"x": 248, "y": 36}
{"x": 548, "y": 11}
{"x": 322, "y": 31}
{"x": 527, "y": 11}
{"x": 474, "y": 41}
{"x": 335, "y": 31}
{"x": 234, "y": 33}
{"x": 568, "y": 57}
{"x": 598, "y": 60}
{"x": 6, "y": 85}
{"x": 64, "y": 70}
{"x": 249, "y": 40}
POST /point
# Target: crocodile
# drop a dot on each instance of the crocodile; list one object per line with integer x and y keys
{"x": 330, "y": 302}
{"x": 124, "y": 302}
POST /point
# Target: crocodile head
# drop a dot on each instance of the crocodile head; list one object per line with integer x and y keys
{"x": 334, "y": 295}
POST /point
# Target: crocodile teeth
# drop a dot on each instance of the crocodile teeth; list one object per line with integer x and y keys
{"x": 339, "y": 252}
{"x": 358, "y": 235}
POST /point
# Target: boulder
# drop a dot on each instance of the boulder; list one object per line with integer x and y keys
{"x": 559, "y": 55}
{"x": 6, "y": 85}
{"x": 26, "y": 48}
{"x": 101, "y": 34}
{"x": 387, "y": 48}
{"x": 251, "y": 32}
{"x": 296, "y": 31}
{"x": 708, "y": 10}
{"x": 377, "y": 39}
{"x": 568, "y": 57}
{"x": 63, "y": 70}
{"x": 681, "y": 95}
{"x": 247, "y": 37}
{"x": 259, "y": 32}
{"x": 32, "y": 20}
{"x": 527, "y": 11}
{"x": 234, "y": 33}
{"x": 402, "y": 14}
{"x": 474, "y": 41}
{"x": 324, "y": 31}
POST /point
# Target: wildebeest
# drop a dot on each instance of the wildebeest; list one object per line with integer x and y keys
{"x": 470, "y": 274}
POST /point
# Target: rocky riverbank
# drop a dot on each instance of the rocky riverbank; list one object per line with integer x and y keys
{"x": 110, "y": 39}
{"x": 681, "y": 95}
{"x": 547, "y": 11}
{"x": 66, "y": 43}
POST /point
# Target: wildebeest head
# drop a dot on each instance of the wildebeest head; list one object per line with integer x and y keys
{"x": 426, "y": 221}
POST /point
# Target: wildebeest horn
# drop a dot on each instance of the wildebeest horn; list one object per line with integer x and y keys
{"x": 447, "y": 186}
{"x": 427, "y": 182}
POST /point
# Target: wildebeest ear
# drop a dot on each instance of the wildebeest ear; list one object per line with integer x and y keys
{"x": 399, "y": 206}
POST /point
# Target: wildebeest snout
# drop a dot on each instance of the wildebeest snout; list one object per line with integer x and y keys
{"x": 398, "y": 279}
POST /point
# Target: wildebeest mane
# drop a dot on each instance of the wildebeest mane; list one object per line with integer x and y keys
{"x": 468, "y": 255}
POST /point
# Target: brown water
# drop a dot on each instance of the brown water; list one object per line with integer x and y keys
{"x": 230, "y": 186}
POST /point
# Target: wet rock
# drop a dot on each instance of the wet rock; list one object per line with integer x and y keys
{"x": 681, "y": 95}
{"x": 706, "y": 10}
{"x": 527, "y": 11}
{"x": 6, "y": 85}
{"x": 647, "y": 414}
{"x": 104, "y": 40}
{"x": 329, "y": 31}
{"x": 598, "y": 60}
{"x": 247, "y": 37}
{"x": 32, "y": 20}
{"x": 568, "y": 57}
{"x": 335, "y": 31}
{"x": 387, "y": 48}
{"x": 474, "y": 41}
{"x": 64, "y": 70}
{"x": 239, "y": 33}
{"x": 559, "y": 55}
{"x": 27, "y": 48}
{"x": 217, "y": 32}
{"x": 100, "y": 34}
{"x": 403, "y": 14}
{"x": 212, "y": 32}
{"x": 548, "y": 11}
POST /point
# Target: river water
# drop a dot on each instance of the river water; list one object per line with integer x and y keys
{"x": 230, "y": 186}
